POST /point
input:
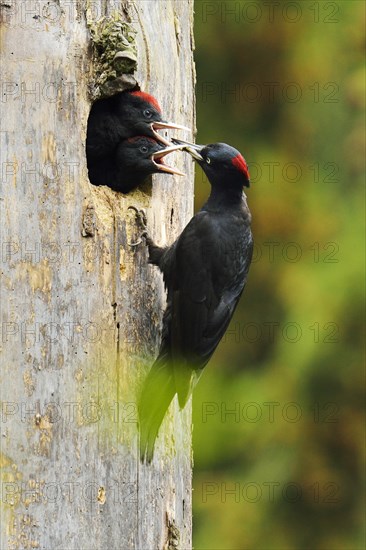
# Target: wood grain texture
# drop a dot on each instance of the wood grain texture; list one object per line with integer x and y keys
{"x": 80, "y": 309}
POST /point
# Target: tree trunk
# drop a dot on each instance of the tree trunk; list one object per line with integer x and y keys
{"x": 81, "y": 310}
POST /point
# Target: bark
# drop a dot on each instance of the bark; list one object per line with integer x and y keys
{"x": 80, "y": 309}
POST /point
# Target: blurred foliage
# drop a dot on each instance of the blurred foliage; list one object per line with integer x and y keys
{"x": 290, "y": 367}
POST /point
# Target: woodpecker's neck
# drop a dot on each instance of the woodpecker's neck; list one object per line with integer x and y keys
{"x": 224, "y": 195}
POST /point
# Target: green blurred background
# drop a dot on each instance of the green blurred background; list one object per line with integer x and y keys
{"x": 284, "y": 83}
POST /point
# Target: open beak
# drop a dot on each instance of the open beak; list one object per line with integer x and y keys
{"x": 158, "y": 160}
{"x": 191, "y": 148}
{"x": 163, "y": 125}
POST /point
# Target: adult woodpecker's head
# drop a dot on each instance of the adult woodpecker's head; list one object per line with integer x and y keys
{"x": 141, "y": 156}
{"x": 141, "y": 114}
{"x": 222, "y": 164}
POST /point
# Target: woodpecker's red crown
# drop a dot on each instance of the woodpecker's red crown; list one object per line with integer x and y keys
{"x": 148, "y": 98}
{"x": 240, "y": 163}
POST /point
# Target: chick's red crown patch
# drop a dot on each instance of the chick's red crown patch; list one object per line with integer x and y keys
{"x": 138, "y": 138}
{"x": 148, "y": 98}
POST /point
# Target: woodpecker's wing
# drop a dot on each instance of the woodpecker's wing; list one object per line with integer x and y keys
{"x": 211, "y": 266}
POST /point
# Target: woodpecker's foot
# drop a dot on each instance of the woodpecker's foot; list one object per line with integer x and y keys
{"x": 142, "y": 222}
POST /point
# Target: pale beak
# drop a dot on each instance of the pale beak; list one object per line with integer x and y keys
{"x": 191, "y": 148}
{"x": 164, "y": 125}
{"x": 157, "y": 159}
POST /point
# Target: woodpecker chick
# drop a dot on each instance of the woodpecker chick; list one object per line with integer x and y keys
{"x": 205, "y": 272}
{"x": 135, "y": 159}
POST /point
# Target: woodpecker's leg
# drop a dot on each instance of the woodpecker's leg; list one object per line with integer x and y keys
{"x": 142, "y": 222}
{"x": 155, "y": 252}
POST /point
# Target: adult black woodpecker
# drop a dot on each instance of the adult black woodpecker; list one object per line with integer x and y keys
{"x": 205, "y": 271}
{"x": 135, "y": 158}
{"x": 117, "y": 118}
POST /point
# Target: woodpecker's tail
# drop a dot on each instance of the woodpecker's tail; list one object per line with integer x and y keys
{"x": 157, "y": 393}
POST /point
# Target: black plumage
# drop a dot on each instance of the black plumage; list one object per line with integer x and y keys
{"x": 205, "y": 271}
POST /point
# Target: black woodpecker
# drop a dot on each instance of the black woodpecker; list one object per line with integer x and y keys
{"x": 118, "y": 118}
{"x": 135, "y": 158}
{"x": 205, "y": 271}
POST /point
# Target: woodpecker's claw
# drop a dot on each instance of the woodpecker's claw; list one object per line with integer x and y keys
{"x": 142, "y": 222}
{"x": 140, "y": 215}
{"x": 143, "y": 234}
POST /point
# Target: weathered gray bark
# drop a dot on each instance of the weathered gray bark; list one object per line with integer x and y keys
{"x": 80, "y": 309}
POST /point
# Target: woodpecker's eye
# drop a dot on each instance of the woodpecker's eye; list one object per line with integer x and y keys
{"x": 208, "y": 160}
{"x": 148, "y": 113}
{"x": 144, "y": 149}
